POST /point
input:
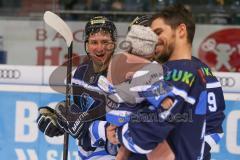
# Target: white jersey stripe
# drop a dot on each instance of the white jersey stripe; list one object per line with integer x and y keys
{"x": 213, "y": 85}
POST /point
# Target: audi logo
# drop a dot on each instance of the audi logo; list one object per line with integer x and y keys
{"x": 10, "y": 74}
{"x": 226, "y": 81}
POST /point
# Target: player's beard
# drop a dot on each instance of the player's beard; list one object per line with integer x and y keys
{"x": 166, "y": 52}
{"x": 101, "y": 65}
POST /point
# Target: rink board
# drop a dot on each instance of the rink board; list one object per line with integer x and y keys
{"x": 21, "y": 140}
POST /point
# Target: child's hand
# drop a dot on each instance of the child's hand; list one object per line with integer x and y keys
{"x": 167, "y": 103}
{"x": 123, "y": 153}
{"x": 111, "y": 134}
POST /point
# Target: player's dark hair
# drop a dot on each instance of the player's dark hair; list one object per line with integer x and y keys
{"x": 175, "y": 15}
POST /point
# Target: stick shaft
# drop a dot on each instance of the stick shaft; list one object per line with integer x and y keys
{"x": 68, "y": 89}
{"x": 65, "y": 146}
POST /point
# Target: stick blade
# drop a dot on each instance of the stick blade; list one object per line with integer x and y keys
{"x": 59, "y": 25}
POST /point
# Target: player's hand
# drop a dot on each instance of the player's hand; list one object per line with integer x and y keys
{"x": 111, "y": 134}
{"x": 47, "y": 122}
{"x": 71, "y": 119}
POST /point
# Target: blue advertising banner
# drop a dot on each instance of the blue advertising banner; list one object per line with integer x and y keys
{"x": 229, "y": 146}
{"x": 21, "y": 140}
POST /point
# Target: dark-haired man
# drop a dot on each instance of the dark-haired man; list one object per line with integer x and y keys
{"x": 175, "y": 61}
{"x": 186, "y": 124}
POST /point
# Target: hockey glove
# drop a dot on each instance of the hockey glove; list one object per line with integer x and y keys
{"x": 47, "y": 122}
{"x": 71, "y": 119}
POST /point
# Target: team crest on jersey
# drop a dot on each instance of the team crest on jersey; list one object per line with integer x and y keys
{"x": 86, "y": 102}
{"x": 221, "y": 50}
{"x": 92, "y": 78}
{"x": 120, "y": 120}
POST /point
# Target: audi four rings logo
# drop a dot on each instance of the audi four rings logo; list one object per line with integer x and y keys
{"x": 10, "y": 74}
{"x": 226, "y": 81}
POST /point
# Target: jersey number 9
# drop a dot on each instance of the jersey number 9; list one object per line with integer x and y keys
{"x": 212, "y": 104}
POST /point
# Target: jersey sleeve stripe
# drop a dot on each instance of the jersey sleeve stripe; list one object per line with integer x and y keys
{"x": 97, "y": 132}
{"x": 85, "y": 85}
{"x": 101, "y": 130}
{"x": 184, "y": 95}
{"x": 92, "y": 134}
{"x": 128, "y": 143}
{"x": 213, "y": 85}
{"x": 213, "y": 139}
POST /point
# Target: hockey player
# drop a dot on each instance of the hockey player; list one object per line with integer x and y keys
{"x": 215, "y": 100}
{"x": 196, "y": 97}
{"x": 100, "y": 40}
{"x": 215, "y": 109}
{"x": 143, "y": 41}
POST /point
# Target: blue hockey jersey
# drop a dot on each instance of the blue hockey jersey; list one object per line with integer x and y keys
{"x": 91, "y": 145}
{"x": 197, "y": 111}
{"x": 216, "y": 105}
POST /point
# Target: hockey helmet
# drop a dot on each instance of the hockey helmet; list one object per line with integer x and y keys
{"x": 99, "y": 23}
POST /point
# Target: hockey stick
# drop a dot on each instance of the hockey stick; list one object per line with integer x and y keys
{"x": 61, "y": 27}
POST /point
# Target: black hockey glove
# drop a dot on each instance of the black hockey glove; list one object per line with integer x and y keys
{"x": 71, "y": 119}
{"x": 47, "y": 122}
